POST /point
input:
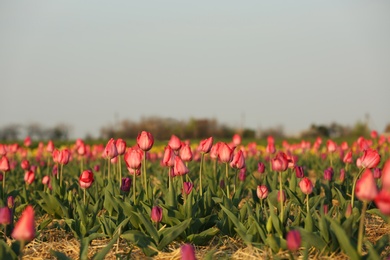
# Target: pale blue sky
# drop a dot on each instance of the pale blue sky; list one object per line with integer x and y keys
{"x": 289, "y": 63}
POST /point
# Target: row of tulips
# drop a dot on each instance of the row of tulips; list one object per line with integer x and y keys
{"x": 280, "y": 197}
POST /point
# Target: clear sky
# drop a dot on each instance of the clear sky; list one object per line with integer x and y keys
{"x": 263, "y": 63}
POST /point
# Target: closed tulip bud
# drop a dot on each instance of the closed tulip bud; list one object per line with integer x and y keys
{"x": 186, "y": 153}
{"x": 293, "y": 239}
{"x": 145, "y": 141}
{"x": 366, "y": 188}
{"x": 5, "y": 216}
{"x": 86, "y": 179}
{"x": 205, "y": 145}
{"x": 4, "y": 164}
{"x": 262, "y": 192}
{"x": 168, "y": 157}
{"x": 156, "y": 214}
{"x": 81, "y": 148}
{"x": 110, "y": 151}
{"x": 121, "y": 146}
{"x": 133, "y": 158}
{"x": 236, "y": 139}
{"x": 27, "y": 141}
{"x": 225, "y": 153}
{"x": 187, "y": 252}
{"x": 64, "y": 156}
{"x": 344, "y": 146}
{"x": 242, "y": 174}
{"x": 382, "y": 201}
{"x": 25, "y": 164}
{"x": 187, "y": 187}
{"x": 96, "y": 168}
{"x": 260, "y": 167}
{"x": 10, "y": 202}
{"x": 283, "y": 197}
{"x": 377, "y": 173}
{"x": 214, "y": 151}
{"x": 50, "y": 146}
{"x": 46, "y": 180}
{"x": 342, "y": 175}
{"x": 270, "y": 149}
{"x": 238, "y": 160}
{"x": 386, "y": 175}
{"x": 370, "y": 159}
{"x": 306, "y": 185}
{"x": 25, "y": 227}
{"x": 126, "y": 184}
{"x": 179, "y": 167}
{"x": 348, "y": 157}
{"x": 29, "y": 177}
{"x": 280, "y": 162}
{"x": 328, "y": 174}
{"x": 331, "y": 146}
{"x": 326, "y": 208}
{"x": 3, "y": 150}
{"x": 299, "y": 171}
{"x": 174, "y": 143}
{"x": 374, "y": 134}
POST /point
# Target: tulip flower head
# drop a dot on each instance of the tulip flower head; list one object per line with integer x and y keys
{"x": 174, "y": 143}
{"x": 133, "y": 158}
{"x": 145, "y": 141}
{"x": 331, "y": 146}
{"x": 236, "y": 140}
{"x": 262, "y": 192}
{"x": 110, "y": 151}
{"x": 29, "y": 177}
{"x": 187, "y": 252}
{"x": 187, "y": 187}
{"x": 25, "y": 227}
{"x": 382, "y": 201}
{"x": 126, "y": 184}
{"x": 156, "y": 214}
{"x": 386, "y": 175}
{"x": 205, "y": 145}
{"x": 86, "y": 179}
{"x": 186, "y": 153}
{"x": 306, "y": 185}
{"x": 299, "y": 172}
{"x": 120, "y": 146}
{"x": 238, "y": 161}
{"x": 280, "y": 162}
{"x": 225, "y": 153}
{"x": 366, "y": 188}
{"x": 4, "y": 164}
{"x": 5, "y": 216}
{"x": 370, "y": 159}
{"x": 168, "y": 157}
{"x": 293, "y": 240}
{"x": 260, "y": 167}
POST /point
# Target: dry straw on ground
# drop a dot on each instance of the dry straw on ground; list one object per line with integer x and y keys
{"x": 55, "y": 238}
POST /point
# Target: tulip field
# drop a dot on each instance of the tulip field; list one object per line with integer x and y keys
{"x": 185, "y": 199}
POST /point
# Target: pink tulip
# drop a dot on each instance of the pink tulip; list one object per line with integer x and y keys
{"x": 260, "y": 167}
{"x": 25, "y": 164}
{"x": 179, "y": 167}
{"x": 306, "y": 185}
{"x": 366, "y": 188}
{"x": 110, "y": 151}
{"x": 29, "y": 177}
{"x": 133, "y": 158}
{"x": 238, "y": 160}
{"x": 4, "y": 164}
{"x": 214, "y": 151}
{"x": 331, "y": 146}
{"x": 5, "y": 216}
{"x": 262, "y": 192}
{"x": 145, "y": 141}
{"x": 156, "y": 214}
{"x": 168, "y": 157}
{"x": 50, "y": 146}
{"x": 187, "y": 187}
{"x": 225, "y": 153}
{"x": 126, "y": 184}
{"x": 120, "y": 146}
{"x": 280, "y": 162}
{"x": 386, "y": 175}
{"x": 370, "y": 159}
{"x": 3, "y": 150}
{"x": 236, "y": 140}
{"x": 86, "y": 179}
{"x": 205, "y": 145}
{"x": 27, "y": 141}
{"x": 382, "y": 201}
{"x": 293, "y": 240}
{"x": 25, "y": 227}
{"x": 186, "y": 153}
{"x": 348, "y": 157}
{"x": 174, "y": 143}
{"x": 299, "y": 172}
{"x": 187, "y": 252}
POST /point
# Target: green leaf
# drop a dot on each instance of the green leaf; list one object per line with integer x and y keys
{"x": 59, "y": 255}
{"x": 204, "y": 237}
{"x": 170, "y": 234}
{"x": 144, "y": 242}
{"x": 344, "y": 239}
{"x": 102, "y": 253}
{"x": 150, "y": 228}
{"x": 239, "y": 227}
{"x": 378, "y": 213}
{"x": 108, "y": 202}
{"x": 312, "y": 239}
{"x": 309, "y": 223}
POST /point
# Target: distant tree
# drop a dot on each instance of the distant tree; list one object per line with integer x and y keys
{"x": 35, "y": 131}
{"x": 360, "y": 129}
{"x": 10, "y": 132}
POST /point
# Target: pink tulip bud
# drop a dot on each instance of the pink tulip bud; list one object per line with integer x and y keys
{"x": 348, "y": 210}
{"x": 242, "y": 174}
{"x": 238, "y": 161}
{"x": 25, "y": 164}
{"x": 187, "y": 187}
{"x": 86, "y": 179}
{"x": 156, "y": 214}
{"x": 260, "y": 167}
{"x": 25, "y": 227}
{"x": 145, "y": 141}
{"x": 179, "y": 167}
{"x": 366, "y": 188}
{"x": 186, "y": 153}
{"x": 386, "y": 175}
{"x": 342, "y": 175}
{"x": 377, "y": 173}
{"x": 187, "y": 252}
{"x": 168, "y": 157}
{"x": 293, "y": 240}
{"x": 225, "y": 153}
{"x": 110, "y": 151}
{"x": 299, "y": 172}
{"x": 370, "y": 159}
{"x": 29, "y": 177}
{"x": 331, "y": 146}
{"x": 328, "y": 174}
{"x": 5, "y": 216}
{"x": 4, "y": 164}
{"x": 382, "y": 201}
{"x": 133, "y": 158}
{"x": 174, "y": 143}
{"x": 306, "y": 185}
{"x": 262, "y": 192}
{"x": 27, "y": 141}
{"x": 236, "y": 140}
{"x": 283, "y": 197}
{"x": 126, "y": 184}
{"x": 205, "y": 145}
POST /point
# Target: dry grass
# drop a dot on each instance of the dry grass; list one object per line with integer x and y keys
{"x": 55, "y": 238}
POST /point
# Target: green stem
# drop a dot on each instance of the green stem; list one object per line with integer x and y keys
{"x": 134, "y": 198}
{"x": 227, "y": 181}
{"x": 22, "y": 242}
{"x": 354, "y": 185}
{"x": 84, "y": 196}
{"x": 4, "y": 172}
{"x": 145, "y": 178}
{"x": 281, "y": 197}
{"x": 361, "y": 227}
{"x": 331, "y": 159}
{"x": 200, "y": 174}
{"x": 307, "y": 203}
{"x": 109, "y": 168}
{"x": 120, "y": 171}
{"x": 81, "y": 164}
{"x": 62, "y": 166}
